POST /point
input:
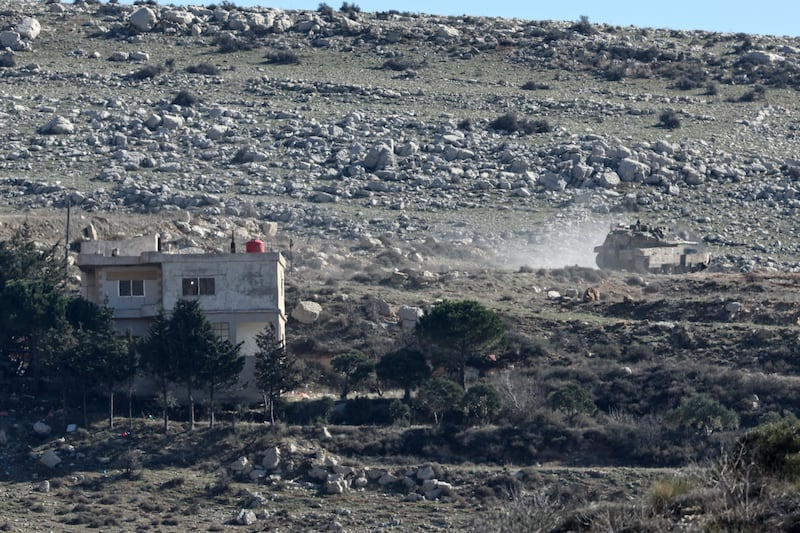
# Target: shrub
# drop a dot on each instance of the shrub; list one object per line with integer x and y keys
{"x": 712, "y": 89}
{"x": 203, "y": 68}
{"x": 757, "y": 93}
{"x": 669, "y": 119}
{"x": 774, "y": 448}
{"x": 534, "y": 86}
{"x": 400, "y": 63}
{"x": 572, "y": 399}
{"x": 325, "y": 10}
{"x": 185, "y": 98}
{"x": 664, "y": 493}
{"x": 349, "y": 8}
{"x": 399, "y": 413}
{"x": 282, "y": 57}
{"x": 481, "y": 403}
{"x": 309, "y": 411}
{"x": 228, "y": 42}
{"x": 145, "y": 73}
{"x": 513, "y": 124}
{"x": 702, "y": 414}
{"x": 366, "y": 411}
{"x": 466, "y": 125}
{"x": 583, "y": 26}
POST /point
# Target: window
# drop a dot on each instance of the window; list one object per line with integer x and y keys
{"x": 198, "y": 286}
{"x": 222, "y": 330}
{"x": 131, "y": 287}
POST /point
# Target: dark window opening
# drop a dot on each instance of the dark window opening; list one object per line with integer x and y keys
{"x": 198, "y": 286}
{"x": 131, "y": 287}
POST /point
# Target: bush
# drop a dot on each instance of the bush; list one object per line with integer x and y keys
{"x": 282, "y": 57}
{"x": 757, "y": 93}
{"x": 400, "y": 64}
{"x": 309, "y": 411}
{"x": 203, "y": 68}
{"x": 466, "y": 125}
{"x": 399, "y": 413}
{"x": 702, "y": 414}
{"x": 481, "y": 403}
{"x": 367, "y": 412}
{"x": 228, "y": 42}
{"x": 325, "y": 10}
{"x": 712, "y": 89}
{"x": 583, "y": 26}
{"x": 572, "y": 399}
{"x": 185, "y": 98}
{"x": 534, "y": 86}
{"x": 775, "y": 449}
{"x": 512, "y": 124}
{"x": 669, "y": 119}
{"x": 145, "y": 73}
{"x": 349, "y": 8}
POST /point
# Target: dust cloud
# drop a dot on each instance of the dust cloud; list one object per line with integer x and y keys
{"x": 559, "y": 244}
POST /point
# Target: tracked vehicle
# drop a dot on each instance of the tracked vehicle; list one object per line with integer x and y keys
{"x": 642, "y": 248}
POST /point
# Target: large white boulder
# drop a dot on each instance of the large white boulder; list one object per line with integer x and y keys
{"x": 307, "y": 312}
{"x": 143, "y": 19}
{"x": 29, "y": 28}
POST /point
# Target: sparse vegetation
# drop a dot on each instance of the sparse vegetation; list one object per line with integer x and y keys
{"x": 207, "y": 69}
{"x": 669, "y": 119}
{"x": 282, "y": 57}
{"x": 511, "y": 123}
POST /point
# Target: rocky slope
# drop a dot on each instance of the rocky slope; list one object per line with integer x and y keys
{"x": 363, "y": 126}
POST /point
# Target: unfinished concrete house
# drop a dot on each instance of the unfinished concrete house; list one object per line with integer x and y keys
{"x": 239, "y": 293}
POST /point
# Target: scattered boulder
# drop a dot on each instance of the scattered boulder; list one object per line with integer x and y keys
{"x": 29, "y": 28}
{"x": 272, "y": 458}
{"x": 40, "y": 428}
{"x": 10, "y": 39}
{"x": 409, "y": 316}
{"x": 50, "y": 459}
{"x": 57, "y": 126}
{"x": 143, "y": 19}
{"x": 307, "y": 312}
{"x": 592, "y": 294}
{"x": 245, "y": 517}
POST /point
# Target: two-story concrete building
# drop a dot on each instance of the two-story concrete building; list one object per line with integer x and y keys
{"x": 239, "y": 293}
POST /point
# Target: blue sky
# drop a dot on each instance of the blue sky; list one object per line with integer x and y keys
{"x": 776, "y": 17}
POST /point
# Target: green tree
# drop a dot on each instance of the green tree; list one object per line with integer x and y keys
{"x": 277, "y": 370}
{"x": 462, "y": 333}
{"x": 31, "y": 311}
{"x": 438, "y": 396}
{"x": 221, "y": 371}
{"x": 703, "y": 414}
{"x": 22, "y": 259}
{"x": 354, "y": 367}
{"x": 99, "y": 355}
{"x": 156, "y": 358}
{"x": 572, "y": 399}
{"x": 405, "y": 368}
{"x": 481, "y": 403}
{"x": 774, "y": 448}
{"x": 193, "y": 344}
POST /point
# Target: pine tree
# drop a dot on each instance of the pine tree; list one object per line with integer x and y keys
{"x": 277, "y": 370}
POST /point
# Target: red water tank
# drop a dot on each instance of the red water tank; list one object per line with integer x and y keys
{"x": 255, "y": 247}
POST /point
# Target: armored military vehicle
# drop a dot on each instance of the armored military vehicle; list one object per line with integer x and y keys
{"x": 642, "y": 248}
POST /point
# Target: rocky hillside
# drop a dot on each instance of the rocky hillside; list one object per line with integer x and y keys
{"x": 515, "y": 141}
